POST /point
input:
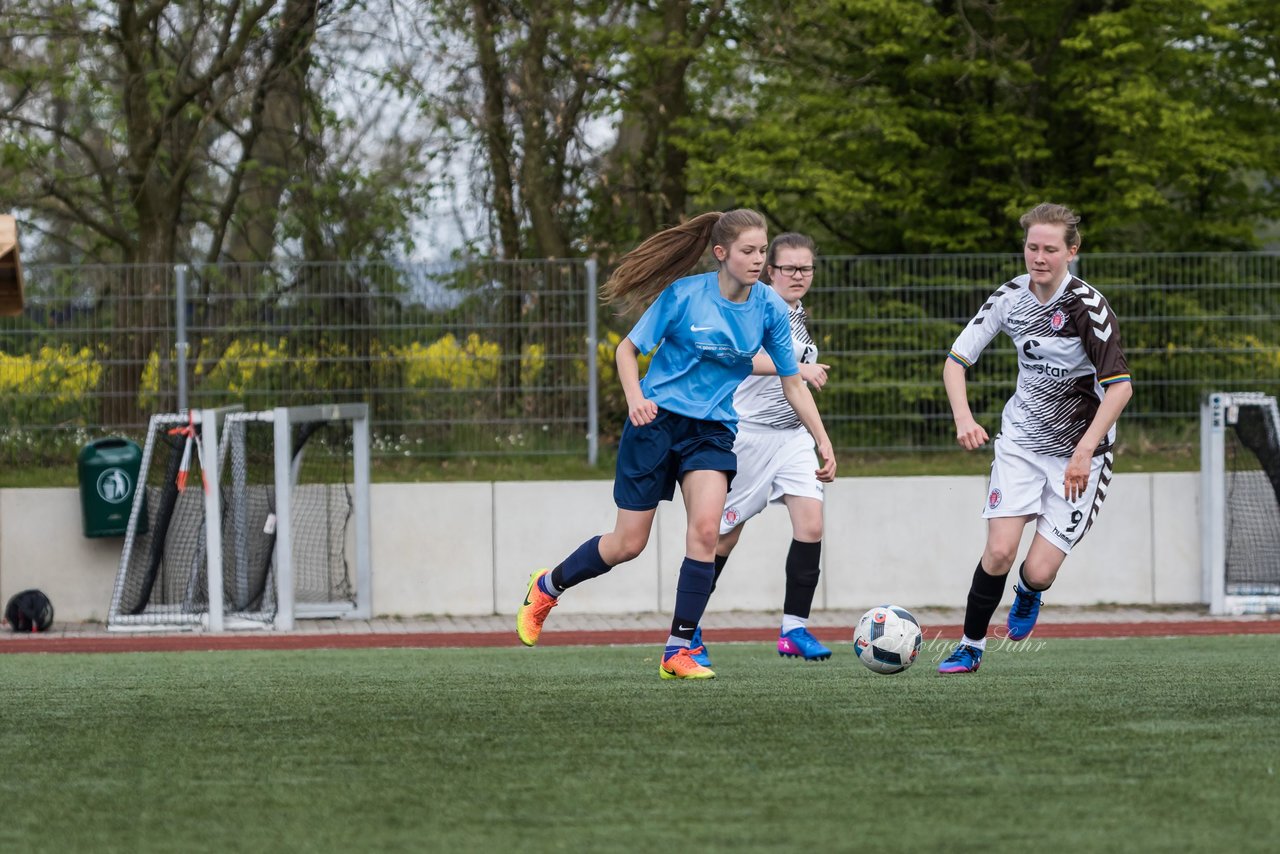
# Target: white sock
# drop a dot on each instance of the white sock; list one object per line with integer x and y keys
{"x": 550, "y": 588}
{"x": 790, "y": 622}
{"x": 976, "y": 644}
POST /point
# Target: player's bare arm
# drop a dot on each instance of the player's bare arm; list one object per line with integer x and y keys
{"x": 969, "y": 433}
{"x": 801, "y": 400}
{"x": 1114, "y": 399}
{"x": 815, "y": 375}
{"x": 640, "y": 409}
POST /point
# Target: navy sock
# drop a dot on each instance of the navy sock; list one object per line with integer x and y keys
{"x": 692, "y": 591}
{"x": 583, "y": 564}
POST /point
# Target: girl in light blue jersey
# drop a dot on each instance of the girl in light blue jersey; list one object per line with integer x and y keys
{"x": 680, "y": 418}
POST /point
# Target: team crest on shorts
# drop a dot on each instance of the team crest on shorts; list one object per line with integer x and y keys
{"x": 993, "y": 500}
{"x": 1058, "y": 321}
{"x": 732, "y": 516}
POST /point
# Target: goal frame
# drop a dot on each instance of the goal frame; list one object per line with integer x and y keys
{"x": 1217, "y": 416}
{"x": 210, "y": 423}
{"x": 205, "y": 421}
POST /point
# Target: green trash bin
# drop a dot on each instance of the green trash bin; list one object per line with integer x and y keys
{"x": 108, "y": 470}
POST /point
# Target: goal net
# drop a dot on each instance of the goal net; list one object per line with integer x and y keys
{"x": 283, "y": 513}
{"x": 1240, "y": 502}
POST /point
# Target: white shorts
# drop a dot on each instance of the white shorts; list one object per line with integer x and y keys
{"x": 1027, "y": 483}
{"x": 771, "y": 463}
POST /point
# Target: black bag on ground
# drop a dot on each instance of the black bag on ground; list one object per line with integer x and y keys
{"x": 29, "y": 611}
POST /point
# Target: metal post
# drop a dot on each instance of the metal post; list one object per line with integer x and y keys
{"x": 180, "y": 325}
{"x": 364, "y": 525}
{"x": 1213, "y": 555}
{"x": 593, "y": 370}
{"x": 208, "y": 419}
{"x": 284, "y": 519}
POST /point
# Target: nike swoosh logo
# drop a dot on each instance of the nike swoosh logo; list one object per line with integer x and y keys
{"x": 696, "y": 328}
{"x": 687, "y": 628}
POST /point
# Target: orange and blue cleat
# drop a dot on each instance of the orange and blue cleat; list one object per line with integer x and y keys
{"x": 533, "y": 613}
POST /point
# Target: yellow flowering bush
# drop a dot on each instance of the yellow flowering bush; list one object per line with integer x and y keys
{"x": 51, "y": 384}
{"x": 533, "y": 360}
{"x": 244, "y": 366}
{"x": 449, "y": 363}
{"x": 606, "y": 364}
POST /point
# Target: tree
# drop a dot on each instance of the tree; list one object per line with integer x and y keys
{"x": 575, "y": 110}
{"x": 1180, "y": 100}
{"x": 926, "y": 127}
{"x": 152, "y": 133}
{"x": 674, "y": 50}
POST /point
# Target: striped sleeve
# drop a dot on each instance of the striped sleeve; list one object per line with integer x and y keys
{"x": 977, "y": 333}
{"x": 1100, "y": 335}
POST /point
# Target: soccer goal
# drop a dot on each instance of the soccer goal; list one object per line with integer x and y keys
{"x": 283, "y": 511}
{"x": 1240, "y": 502}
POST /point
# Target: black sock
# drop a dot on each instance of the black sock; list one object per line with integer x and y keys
{"x": 721, "y": 560}
{"x": 802, "y": 578}
{"x": 985, "y": 592}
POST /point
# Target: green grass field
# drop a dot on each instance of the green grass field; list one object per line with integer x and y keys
{"x": 1095, "y": 745}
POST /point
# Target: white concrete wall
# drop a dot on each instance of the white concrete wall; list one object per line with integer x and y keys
{"x": 468, "y": 548}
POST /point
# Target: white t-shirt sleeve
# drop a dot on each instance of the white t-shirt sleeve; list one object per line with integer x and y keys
{"x": 980, "y": 331}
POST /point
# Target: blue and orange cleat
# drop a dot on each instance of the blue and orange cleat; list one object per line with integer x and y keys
{"x": 1023, "y": 614}
{"x": 682, "y": 666}
{"x": 798, "y": 643}
{"x": 533, "y": 613}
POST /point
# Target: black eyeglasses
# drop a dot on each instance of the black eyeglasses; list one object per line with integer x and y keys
{"x": 791, "y": 270}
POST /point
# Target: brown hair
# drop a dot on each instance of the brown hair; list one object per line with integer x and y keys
{"x": 1047, "y": 213}
{"x": 671, "y": 253}
{"x": 787, "y": 240}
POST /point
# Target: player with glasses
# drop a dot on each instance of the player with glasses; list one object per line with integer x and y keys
{"x": 776, "y": 459}
{"x": 790, "y": 270}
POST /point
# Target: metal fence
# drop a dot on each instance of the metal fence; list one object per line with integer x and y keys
{"x": 511, "y": 359}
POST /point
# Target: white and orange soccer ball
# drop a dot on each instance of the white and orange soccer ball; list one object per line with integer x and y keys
{"x": 887, "y": 639}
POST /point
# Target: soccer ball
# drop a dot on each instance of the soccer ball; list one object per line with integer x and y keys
{"x": 887, "y": 639}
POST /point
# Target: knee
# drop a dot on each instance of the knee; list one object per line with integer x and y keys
{"x": 999, "y": 557}
{"x": 808, "y": 530}
{"x": 704, "y": 535}
{"x": 1037, "y": 576}
{"x": 628, "y": 546}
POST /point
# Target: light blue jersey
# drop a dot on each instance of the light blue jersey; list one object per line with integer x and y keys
{"x": 707, "y": 343}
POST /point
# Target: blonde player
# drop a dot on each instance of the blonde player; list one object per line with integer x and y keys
{"x": 1054, "y": 451}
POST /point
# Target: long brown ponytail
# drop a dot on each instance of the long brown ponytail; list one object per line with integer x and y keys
{"x": 671, "y": 253}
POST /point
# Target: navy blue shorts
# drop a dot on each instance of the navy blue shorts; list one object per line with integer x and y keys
{"x": 653, "y": 458}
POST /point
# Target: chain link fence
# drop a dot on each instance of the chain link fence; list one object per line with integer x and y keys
{"x": 511, "y": 359}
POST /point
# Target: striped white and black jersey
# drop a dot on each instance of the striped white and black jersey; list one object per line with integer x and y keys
{"x": 1068, "y": 351}
{"x": 759, "y": 400}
